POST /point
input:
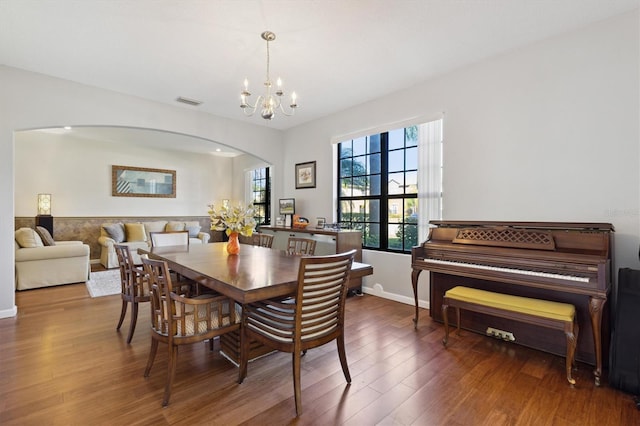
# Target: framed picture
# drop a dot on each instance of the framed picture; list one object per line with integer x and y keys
{"x": 306, "y": 175}
{"x": 320, "y": 222}
{"x": 141, "y": 182}
{"x": 287, "y": 206}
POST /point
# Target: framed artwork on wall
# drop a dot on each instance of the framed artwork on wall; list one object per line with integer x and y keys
{"x": 306, "y": 175}
{"x": 287, "y": 206}
{"x": 142, "y": 182}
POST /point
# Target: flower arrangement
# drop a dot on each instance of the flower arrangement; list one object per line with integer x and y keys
{"x": 233, "y": 219}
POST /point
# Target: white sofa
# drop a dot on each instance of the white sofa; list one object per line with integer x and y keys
{"x": 39, "y": 265}
{"x": 136, "y": 235}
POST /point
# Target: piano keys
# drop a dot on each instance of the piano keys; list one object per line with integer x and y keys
{"x": 559, "y": 261}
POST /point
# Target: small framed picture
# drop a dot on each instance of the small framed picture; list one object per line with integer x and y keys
{"x": 320, "y": 222}
{"x": 306, "y": 175}
{"x": 287, "y": 206}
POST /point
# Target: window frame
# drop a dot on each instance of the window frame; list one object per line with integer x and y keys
{"x": 267, "y": 199}
{"x": 384, "y": 198}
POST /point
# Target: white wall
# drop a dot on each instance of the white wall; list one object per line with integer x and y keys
{"x": 77, "y": 172}
{"x": 549, "y": 132}
{"x": 32, "y": 101}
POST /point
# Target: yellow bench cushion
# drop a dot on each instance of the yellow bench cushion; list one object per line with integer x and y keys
{"x": 542, "y": 308}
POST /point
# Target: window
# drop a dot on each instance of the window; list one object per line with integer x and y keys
{"x": 261, "y": 194}
{"x": 378, "y": 186}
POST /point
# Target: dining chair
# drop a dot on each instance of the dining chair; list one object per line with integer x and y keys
{"x": 262, "y": 240}
{"x": 169, "y": 238}
{"x": 134, "y": 286}
{"x": 314, "y": 319}
{"x": 301, "y": 246}
{"x": 179, "y": 320}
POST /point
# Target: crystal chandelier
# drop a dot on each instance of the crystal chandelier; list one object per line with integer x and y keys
{"x": 270, "y": 101}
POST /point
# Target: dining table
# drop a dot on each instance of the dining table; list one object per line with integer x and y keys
{"x": 254, "y": 274}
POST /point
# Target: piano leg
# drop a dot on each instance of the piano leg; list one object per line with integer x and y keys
{"x": 595, "y": 311}
{"x": 415, "y": 274}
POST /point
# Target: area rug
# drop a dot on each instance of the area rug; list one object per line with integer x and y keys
{"x": 104, "y": 283}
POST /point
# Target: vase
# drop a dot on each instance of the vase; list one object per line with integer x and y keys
{"x": 233, "y": 246}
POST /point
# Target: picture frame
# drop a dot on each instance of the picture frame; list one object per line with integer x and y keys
{"x": 129, "y": 181}
{"x": 306, "y": 175}
{"x": 320, "y": 222}
{"x": 287, "y": 206}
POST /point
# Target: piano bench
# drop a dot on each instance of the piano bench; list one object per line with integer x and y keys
{"x": 544, "y": 313}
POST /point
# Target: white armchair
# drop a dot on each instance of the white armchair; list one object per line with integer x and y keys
{"x": 39, "y": 265}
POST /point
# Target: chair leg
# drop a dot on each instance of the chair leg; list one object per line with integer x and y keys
{"x": 244, "y": 354}
{"x": 171, "y": 373}
{"x": 152, "y": 357}
{"x": 296, "y": 381}
{"x": 342, "y": 354}
{"x": 123, "y": 312}
{"x": 134, "y": 320}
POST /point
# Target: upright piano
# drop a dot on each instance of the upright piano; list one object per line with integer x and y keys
{"x": 558, "y": 261}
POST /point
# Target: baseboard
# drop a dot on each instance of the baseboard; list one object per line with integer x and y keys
{"x": 377, "y": 290}
{"x": 9, "y": 313}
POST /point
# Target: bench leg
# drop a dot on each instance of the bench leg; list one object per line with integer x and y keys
{"x": 445, "y": 316}
{"x": 571, "y": 331}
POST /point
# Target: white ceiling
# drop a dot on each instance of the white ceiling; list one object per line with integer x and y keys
{"x": 334, "y": 53}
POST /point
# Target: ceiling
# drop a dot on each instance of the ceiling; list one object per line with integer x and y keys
{"x": 335, "y": 54}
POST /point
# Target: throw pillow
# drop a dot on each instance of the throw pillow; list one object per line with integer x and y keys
{"x": 135, "y": 232}
{"x": 193, "y": 231}
{"x": 175, "y": 226}
{"x": 45, "y": 236}
{"x": 28, "y": 238}
{"x": 115, "y": 232}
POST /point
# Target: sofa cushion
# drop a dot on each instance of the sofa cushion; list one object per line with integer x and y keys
{"x": 45, "y": 236}
{"x": 28, "y": 238}
{"x": 193, "y": 231}
{"x": 156, "y": 226}
{"x": 115, "y": 231}
{"x": 175, "y": 226}
{"x": 135, "y": 232}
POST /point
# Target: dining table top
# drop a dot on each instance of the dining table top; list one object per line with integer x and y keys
{"x": 255, "y": 273}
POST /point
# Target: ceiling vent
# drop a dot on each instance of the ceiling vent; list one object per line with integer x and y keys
{"x": 188, "y": 101}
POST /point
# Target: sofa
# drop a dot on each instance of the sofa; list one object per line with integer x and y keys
{"x": 47, "y": 263}
{"x": 136, "y": 235}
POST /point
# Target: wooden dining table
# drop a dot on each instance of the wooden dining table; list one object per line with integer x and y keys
{"x": 256, "y": 273}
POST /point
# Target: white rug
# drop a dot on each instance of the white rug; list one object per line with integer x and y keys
{"x": 104, "y": 283}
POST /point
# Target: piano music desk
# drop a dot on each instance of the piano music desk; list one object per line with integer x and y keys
{"x": 544, "y": 313}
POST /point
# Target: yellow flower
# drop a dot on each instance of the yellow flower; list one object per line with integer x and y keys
{"x": 233, "y": 219}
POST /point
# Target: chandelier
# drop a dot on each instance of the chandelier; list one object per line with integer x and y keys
{"x": 271, "y": 100}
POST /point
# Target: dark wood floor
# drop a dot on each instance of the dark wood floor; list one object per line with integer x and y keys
{"x": 63, "y": 363}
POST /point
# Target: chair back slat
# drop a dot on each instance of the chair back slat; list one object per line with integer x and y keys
{"x": 321, "y": 294}
{"x": 301, "y": 246}
{"x": 169, "y": 238}
{"x": 262, "y": 240}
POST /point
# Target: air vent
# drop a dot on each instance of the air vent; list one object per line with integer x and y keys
{"x": 188, "y": 101}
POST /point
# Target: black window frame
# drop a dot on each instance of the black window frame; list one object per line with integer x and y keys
{"x": 407, "y": 225}
{"x": 265, "y": 204}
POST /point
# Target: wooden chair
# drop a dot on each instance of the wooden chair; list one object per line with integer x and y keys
{"x": 262, "y": 240}
{"x": 178, "y": 320}
{"x": 134, "y": 287}
{"x": 169, "y": 238}
{"x": 301, "y": 246}
{"x": 315, "y": 317}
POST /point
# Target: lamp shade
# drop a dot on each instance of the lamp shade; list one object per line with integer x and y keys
{"x": 44, "y": 204}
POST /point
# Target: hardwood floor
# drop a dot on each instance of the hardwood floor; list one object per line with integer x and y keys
{"x": 63, "y": 363}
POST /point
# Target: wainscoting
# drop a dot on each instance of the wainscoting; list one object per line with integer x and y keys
{"x": 87, "y": 229}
